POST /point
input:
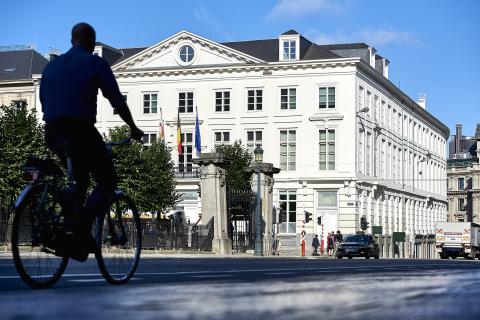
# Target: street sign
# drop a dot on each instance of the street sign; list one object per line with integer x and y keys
{"x": 377, "y": 230}
{"x": 399, "y": 237}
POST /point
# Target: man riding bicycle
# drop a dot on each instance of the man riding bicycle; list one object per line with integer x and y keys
{"x": 68, "y": 93}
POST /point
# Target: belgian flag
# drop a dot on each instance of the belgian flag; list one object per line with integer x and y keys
{"x": 179, "y": 136}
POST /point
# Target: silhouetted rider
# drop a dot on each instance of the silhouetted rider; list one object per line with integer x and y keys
{"x": 68, "y": 93}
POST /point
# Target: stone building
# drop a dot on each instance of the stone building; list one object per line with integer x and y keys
{"x": 463, "y": 177}
{"x": 20, "y": 71}
{"x": 349, "y": 143}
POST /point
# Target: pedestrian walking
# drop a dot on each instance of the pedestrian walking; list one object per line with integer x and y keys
{"x": 315, "y": 245}
{"x": 338, "y": 237}
{"x": 330, "y": 242}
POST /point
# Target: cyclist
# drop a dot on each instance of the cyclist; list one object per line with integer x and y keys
{"x": 68, "y": 94}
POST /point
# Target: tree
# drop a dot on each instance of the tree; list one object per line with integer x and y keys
{"x": 237, "y": 171}
{"x": 158, "y": 192}
{"x": 21, "y": 136}
{"x": 145, "y": 173}
{"x": 128, "y": 164}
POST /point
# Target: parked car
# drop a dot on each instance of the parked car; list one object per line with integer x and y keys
{"x": 358, "y": 245}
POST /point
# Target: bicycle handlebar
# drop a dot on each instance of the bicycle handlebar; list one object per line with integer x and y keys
{"x": 118, "y": 143}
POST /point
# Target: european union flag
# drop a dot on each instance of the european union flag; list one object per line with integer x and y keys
{"x": 198, "y": 139}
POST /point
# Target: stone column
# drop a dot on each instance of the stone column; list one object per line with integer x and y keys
{"x": 267, "y": 170}
{"x": 214, "y": 199}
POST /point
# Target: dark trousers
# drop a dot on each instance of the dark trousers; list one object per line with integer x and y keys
{"x": 86, "y": 148}
{"x": 315, "y": 253}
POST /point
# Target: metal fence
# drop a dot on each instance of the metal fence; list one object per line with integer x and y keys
{"x": 5, "y": 214}
{"x": 241, "y": 229}
{"x": 166, "y": 234}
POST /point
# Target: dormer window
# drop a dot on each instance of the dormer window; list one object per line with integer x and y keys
{"x": 289, "y": 46}
{"x": 289, "y": 50}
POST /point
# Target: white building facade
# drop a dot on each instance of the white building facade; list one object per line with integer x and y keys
{"x": 348, "y": 142}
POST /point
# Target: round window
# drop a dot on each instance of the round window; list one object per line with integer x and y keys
{"x": 186, "y": 53}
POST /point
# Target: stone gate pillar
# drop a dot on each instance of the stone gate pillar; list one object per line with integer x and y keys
{"x": 214, "y": 198}
{"x": 267, "y": 170}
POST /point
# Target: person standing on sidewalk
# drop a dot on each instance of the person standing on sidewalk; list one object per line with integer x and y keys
{"x": 330, "y": 242}
{"x": 315, "y": 245}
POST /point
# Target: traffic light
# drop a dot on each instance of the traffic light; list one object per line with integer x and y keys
{"x": 319, "y": 220}
{"x": 363, "y": 223}
{"x": 308, "y": 217}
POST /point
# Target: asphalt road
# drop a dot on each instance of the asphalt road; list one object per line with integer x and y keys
{"x": 248, "y": 288}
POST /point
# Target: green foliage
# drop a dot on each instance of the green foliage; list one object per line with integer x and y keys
{"x": 21, "y": 136}
{"x": 237, "y": 173}
{"x": 145, "y": 173}
{"x": 159, "y": 184}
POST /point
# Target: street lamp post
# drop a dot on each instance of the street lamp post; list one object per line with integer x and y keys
{"x": 258, "y": 217}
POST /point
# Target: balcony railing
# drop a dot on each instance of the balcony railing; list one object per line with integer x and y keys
{"x": 186, "y": 172}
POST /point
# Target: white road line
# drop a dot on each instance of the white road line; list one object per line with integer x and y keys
{"x": 213, "y": 276}
{"x": 279, "y": 273}
{"x": 319, "y": 269}
{"x": 96, "y": 280}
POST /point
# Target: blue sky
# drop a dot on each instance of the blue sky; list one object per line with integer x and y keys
{"x": 432, "y": 45}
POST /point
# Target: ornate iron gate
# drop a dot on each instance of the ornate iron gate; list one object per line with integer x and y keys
{"x": 241, "y": 212}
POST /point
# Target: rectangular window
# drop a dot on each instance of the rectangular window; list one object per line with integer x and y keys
{"x": 326, "y": 97}
{"x": 115, "y": 111}
{"x": 150, "y": 103}
{"x": 185, "y": 102}
{"x": 185, "y": 159}
{"x": 382, "y": 111}
{"x": 254, "y": 99}
{"x": 394, "y": 164}
{"x": 288, "y": 145}
{"x": 254, "y": 138}
{"x": 461, "y": 183}
{"x": 148, "y": 138}
{"x": 388, "y": 162}
{"x": 19, "y": 103}
{"x": 327, "y": 199}
{"x": 375, "y": 108}
{"x": 289, "y": 50}
{"x": 288, "y": 98}
{"x": 369, "y": 103}
{"x": 368, "y": 154}
{"x": 222, "y": 101}
{"x": 361, "y": 160}
{"x": 221, "y": 137}
{"x": 327, "y": 149}
{"x": 361, "y": 98}
{"x": 288, "y": 211}
{"x": 461, "y": 204}
{"x": 382, "y": 160}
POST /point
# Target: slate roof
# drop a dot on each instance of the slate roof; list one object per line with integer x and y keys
{"x": 20, "y": 65}
{"x": 267, "y": 50}
{"x": 290, "y": 32}
{"x": 128, "y": 52}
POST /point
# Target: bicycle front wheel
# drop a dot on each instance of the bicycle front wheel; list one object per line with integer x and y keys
{"x": 119, "y": 239}
{"x": 33, "y": 239}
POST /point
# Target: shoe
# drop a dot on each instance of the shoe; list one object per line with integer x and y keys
{"x": 79, "y": 254}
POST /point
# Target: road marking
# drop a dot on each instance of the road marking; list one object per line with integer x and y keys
{"x": 318, "y": 269}
{"x": 96, "y": 280}
{"x": 279, "y": 273}
{"x": 213, "y": 276}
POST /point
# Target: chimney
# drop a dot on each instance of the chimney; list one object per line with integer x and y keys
{"x": 477, "y": 131}
{"x": 53, "y": 53}
{"x": 422, "y": 100}
{"x": 458, "y": 138}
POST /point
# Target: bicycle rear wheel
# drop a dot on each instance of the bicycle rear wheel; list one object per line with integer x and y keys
{"x": 119, "y": 239}
{"x": 34, "y": 226}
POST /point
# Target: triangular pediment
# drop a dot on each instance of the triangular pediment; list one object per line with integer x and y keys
{"x": 172, "y": 52}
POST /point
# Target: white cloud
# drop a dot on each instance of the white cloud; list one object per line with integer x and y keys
{"x": 373, "y": 37}
{"x": 204, "y": 16}
{"x": 297, "y": 8}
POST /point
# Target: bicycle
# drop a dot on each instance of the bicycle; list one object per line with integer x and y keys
{"x": 42, "y": 224}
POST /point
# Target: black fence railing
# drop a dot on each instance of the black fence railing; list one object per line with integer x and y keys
{"x": 162, "y": 234}
{"x": 186, "y": 172}
{"x": 165, "y": 234}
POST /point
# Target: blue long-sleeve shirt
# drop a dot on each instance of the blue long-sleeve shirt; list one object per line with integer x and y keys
{"x": 70, "y": 83}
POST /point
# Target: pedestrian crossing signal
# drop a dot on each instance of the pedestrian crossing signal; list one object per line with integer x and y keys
{"x": 308, "y": 217}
